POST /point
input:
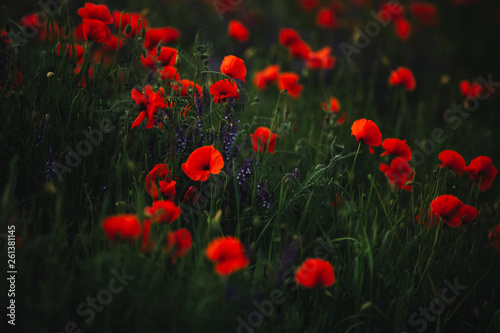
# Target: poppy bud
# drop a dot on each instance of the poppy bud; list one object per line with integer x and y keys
{"x": 128, "y": 29}
{"x": 50, "y": 75}
{"x": 191, "y": 197}
{"x": 143, "y": 32}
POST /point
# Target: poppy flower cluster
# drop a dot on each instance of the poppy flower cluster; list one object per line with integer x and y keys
{"x": 166, "y": 188}
{"x": 453, "y": 211}
{"x": 228, "y": 255}
{"x": 480, "y": 170}
{"x": 425, "y": 13}
{"x": 394, "y": 12}
{"x": 470, "y": 89}
{"x": 298, "y": 48}
{"x": 163, "y": 61}
{"x": 95, "y": 21}
{"x": 399, "y": 171}
{"x": 315, "y": 272}
{"x": 269, "y": 75}
{"x": 161, "y": 212}
{"x": 160, "y": 57}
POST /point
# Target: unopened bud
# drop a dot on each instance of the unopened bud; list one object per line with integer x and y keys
{"x": 128, "y": 29}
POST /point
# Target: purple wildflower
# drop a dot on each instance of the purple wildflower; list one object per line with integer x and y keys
{"x": 264, "y": 197}
{"x": 41, "y": 131}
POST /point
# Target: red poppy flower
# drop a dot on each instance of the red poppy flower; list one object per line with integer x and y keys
{"x": 326, "y": 18}
{"x": 224, "y": 89}
{"x": 148, "y": 103}
{"x": 166, "y": 57}
{"x": 308, "y": 5}
{"x": 289, "y": 82}
{"x": 494, "y": 237}
{"x": 161, "y": 173}
{"x": 191, "y": 197}
{"x": 135, "y": 20}
{"x": 147, "y": 243}
{"x": 266, "y": 76}
{"x": 397, "y": 148}
{"x": 96, "y": 12}
{"x": 300, "y": 50}
{"x": 78, "y": 54}
{"x": 315, "y": 272}
{"x": 156, "y": 35}
{"x": 228, "y": 255}
{"x": 449, "y": 208}
{"x": 37, "y": 22}
{"x": 296, "y": 46}
{"x": 468, "y": 214}
{"x": 178, "y": 244}
{"x": 334, "y": 105}
{"x": 402, "y": 77}
{"x": 188, "y": 88}
{"x": 482, "y": 172}
{"x": 122, "y": 226}
{"x": 202, "y": 162}
{"x": 237, "y": 31}
{"x": 367, "y": 132}
{"x": 472, "y": 90}
{"x": 425, "y": 12}
{"x": 78, "y": 33}
{"x": 391, "y": 11}
{"x": 260, "y": 140}
{"x": 453, "y": 161}
{"x": 170, "y": 73}
{"x": 113, "y": 44}
{"x": 337, "y": 201}
{"x": 95, "y": 30}
{"x": 234, "y": 67}
{"x": 403, "y": 28}
{"x": 3, "y": 36}
{"x": 321, "y": 59}
{"x": 399, "y": 172}
{"x": 288, "y": 37}
{"x": 162, "y": 212}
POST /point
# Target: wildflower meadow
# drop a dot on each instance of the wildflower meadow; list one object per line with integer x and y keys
{"x": 250, "y": 166}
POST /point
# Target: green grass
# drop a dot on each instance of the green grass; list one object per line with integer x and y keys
{"x": 387, "y": 266}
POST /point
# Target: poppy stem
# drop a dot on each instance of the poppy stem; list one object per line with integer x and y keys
{"x": 354, "y": 163}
